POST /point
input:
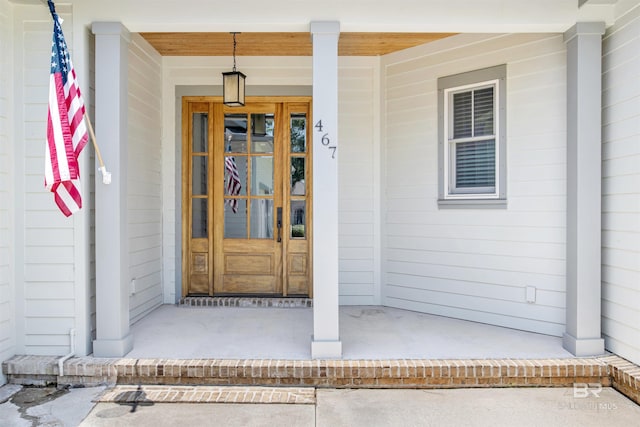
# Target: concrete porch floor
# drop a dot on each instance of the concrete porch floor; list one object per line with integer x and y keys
{"x": 367, "y": 332}
{"x": 178, "y": 347}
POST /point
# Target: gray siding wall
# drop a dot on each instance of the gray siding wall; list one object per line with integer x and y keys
{"x": 621, "y": 187}
{"x": 475, "y": 264}
{"x": 145, "y": 177}
{"x": 89, "y": 97}
{"x": 7, "y": 283}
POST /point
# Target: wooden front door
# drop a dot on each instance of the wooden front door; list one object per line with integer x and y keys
{"x": 246, "y": 201}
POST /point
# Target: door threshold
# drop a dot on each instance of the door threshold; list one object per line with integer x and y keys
{"x": 246, "y": 302}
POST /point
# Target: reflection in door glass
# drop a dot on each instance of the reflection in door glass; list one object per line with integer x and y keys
{"x": 262, "y": 219}
{"x": 298, "y": 219}
{"x": 297, "y": 176}
{"x": 235, "y": 176}
{"x": 199, "y": 219}
{"x": 262, "y": 133}
{"x": 200, "y": 132}
{"x": 261, "y": 176}
{"x": 235, "y": 219}
{"x": 298, "y": 133}
{"x": 199, "y": 176}
{"x": 235, "y": 133}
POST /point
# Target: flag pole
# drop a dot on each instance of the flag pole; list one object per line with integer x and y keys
{"x": 106, "y": 176}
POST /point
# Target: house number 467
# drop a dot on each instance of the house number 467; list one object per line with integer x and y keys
{"x": 326, "y": 141}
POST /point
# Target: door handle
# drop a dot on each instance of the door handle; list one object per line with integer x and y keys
{"x": 279, "y": 224}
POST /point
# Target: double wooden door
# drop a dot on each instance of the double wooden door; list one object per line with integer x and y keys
{"x": 246, "y": 197}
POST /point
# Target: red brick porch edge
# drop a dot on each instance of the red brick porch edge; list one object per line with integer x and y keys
{"x": 365, "y": 373}
{"x": 401, "y": 373}
{"x": 625, "y": 377}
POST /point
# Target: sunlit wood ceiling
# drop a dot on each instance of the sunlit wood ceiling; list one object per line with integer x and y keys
{"x": 282, "y": 44}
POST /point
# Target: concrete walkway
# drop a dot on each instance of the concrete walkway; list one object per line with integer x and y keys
{"x": 332, "y": 408}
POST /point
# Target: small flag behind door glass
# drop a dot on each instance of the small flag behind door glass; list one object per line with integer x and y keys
{"x": 233, "y": 186}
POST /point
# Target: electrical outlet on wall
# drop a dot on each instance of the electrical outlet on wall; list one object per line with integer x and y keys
{"x": 530, "y": 294}
{"x": 132, "y": 287}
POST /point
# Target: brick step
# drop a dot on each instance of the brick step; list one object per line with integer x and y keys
{"x": 368, "y": 373}
{"x": 403, "y": 373}
{"x": 328, "y": 373}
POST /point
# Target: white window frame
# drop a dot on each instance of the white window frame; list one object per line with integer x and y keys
{"x": 449, "y": 195}
{"x": 454, "y": 192}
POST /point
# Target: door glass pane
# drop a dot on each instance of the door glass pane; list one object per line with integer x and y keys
{"x": 261, "y": 176}
{"x": 199, "y": 176}
{"x": 235, "y": 133}
{"x": 262, "y": 219}
{"x": 235, "y": 219}
{"x": 199, "y": 219}
{"x": 298, "y": 219}
{"x": 262, "y": 133}
{"x": 200, "y": 132}
{"x": 298, "y": 133}
{"x": 235, "y": 176}
{"x": 297, "y": 176}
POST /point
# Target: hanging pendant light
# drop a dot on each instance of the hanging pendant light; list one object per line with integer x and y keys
{"x": 233, "y": 83}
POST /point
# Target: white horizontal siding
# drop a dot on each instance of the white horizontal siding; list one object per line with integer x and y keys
{"x": 621, "y": 187}
{"x": 357, "y": 91}
{"x": 145, "y": 177}
{"x": 50, "y": 241}
{"x": 476, "y": 263}
{"x": 7, "y": 283}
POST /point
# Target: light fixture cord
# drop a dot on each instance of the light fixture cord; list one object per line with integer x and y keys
{"x": 234, "y": 52}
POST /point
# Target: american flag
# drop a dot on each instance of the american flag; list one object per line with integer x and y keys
{"x": 66, "y": 130}
{"x": 233, "y": 186}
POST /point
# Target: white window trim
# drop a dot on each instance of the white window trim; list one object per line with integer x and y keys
{"x": 455, "y": 83}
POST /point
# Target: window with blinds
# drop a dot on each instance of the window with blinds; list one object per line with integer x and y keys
{"x": 472, "y": 146}
{"x": 472, "y": 140}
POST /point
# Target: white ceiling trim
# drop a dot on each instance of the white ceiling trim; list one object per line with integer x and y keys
{"x": 481, "y": 16}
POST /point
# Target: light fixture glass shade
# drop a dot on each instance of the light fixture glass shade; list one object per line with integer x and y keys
{"x": 233, "y": 88}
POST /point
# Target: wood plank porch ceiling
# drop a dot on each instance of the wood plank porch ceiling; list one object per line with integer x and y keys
{"x": 282, "y": 44}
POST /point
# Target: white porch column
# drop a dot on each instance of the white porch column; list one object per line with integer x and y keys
{"x": 325, "y": 342}
{"x": 112, "y": 249}
{"x": 584, "y": 128}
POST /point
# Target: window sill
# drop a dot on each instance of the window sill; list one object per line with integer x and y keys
{"x": 472, "y": 203}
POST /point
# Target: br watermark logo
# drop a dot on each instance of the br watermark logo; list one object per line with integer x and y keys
{"x": 584, "y": 390}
